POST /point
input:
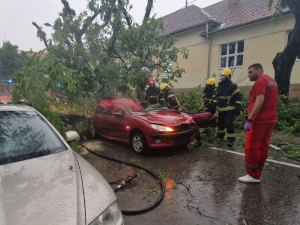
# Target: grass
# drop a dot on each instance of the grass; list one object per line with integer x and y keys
{"x": 162, "y": 175}
{"x": 136, "y": 160}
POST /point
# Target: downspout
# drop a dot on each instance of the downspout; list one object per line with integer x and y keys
{"x": 209, "y": 51}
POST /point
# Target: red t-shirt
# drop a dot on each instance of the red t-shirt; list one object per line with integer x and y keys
{"x": 267, "y": 86}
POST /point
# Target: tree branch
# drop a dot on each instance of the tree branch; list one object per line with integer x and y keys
{"x": 127, "y": 17}
{"x": 41, "y": 34}
{"x": 148, "y": 10}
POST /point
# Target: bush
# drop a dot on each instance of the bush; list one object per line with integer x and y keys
{"x": 192, "y": 100}
{"x": 288, "y": 116}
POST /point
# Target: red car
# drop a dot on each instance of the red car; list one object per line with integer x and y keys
{"x": 127, "y": 121}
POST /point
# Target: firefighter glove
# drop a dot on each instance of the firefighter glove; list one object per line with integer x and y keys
{"x": 247, "y": 125}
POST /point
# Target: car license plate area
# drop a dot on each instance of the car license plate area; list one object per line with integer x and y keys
{"x": 183, "y": 141}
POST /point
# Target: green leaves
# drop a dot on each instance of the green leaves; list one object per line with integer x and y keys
{"x": 10, "y": 60}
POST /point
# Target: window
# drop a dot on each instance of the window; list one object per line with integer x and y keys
{"x": 167, "y": 67}
{"x": 288, "y": 38}
{"x": 232, "y": 54}
{"x": 102, "y": 111}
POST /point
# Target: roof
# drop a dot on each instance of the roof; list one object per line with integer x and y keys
{"x": 185, "y": 19}
{"x": 223, "y": 16}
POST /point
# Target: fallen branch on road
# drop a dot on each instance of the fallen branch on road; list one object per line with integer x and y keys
{"x": 200, "y": 213}
{"x": 188, "y": 189}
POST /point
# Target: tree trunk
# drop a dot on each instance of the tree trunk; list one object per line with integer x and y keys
{"x": 283, "y": 62}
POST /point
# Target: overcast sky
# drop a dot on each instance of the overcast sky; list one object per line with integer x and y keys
{"x": 16, "y": 16}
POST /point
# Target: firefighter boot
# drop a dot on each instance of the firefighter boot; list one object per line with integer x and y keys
{"x": 230, "y": 141}
{"x": 230, "y": 144}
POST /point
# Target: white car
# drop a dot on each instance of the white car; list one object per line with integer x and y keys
{"x": 43, "y": 181}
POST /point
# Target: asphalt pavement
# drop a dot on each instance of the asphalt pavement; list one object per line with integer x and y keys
{"x": 201, "y": 186}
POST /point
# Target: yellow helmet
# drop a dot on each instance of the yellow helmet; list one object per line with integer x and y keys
{"x": 163, "y": 86}
{"x": 226, "y": 73}
{"x": 211, "y": 81}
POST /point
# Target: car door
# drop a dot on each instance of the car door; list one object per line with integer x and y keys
{"x": 117, "y": 124}
{"x": 102, "y": 117}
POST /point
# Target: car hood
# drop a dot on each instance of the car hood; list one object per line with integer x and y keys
{"x": 39, "y": 191}
{"x": 169, "y": 118}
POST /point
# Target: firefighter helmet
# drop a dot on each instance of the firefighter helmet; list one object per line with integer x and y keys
{"x": 211, "y": 81}
{"x": 151, "y": 80}
{"x": 226, "y": 73}
{"x": 163, "y": 86}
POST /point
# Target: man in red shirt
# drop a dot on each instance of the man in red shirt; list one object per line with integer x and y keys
{"x": 262, "y": 117}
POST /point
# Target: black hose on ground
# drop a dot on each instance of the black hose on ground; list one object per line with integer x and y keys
{"x": 161, "y": 184}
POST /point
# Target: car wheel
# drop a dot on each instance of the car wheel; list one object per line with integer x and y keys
{"x": 138, "y": 143}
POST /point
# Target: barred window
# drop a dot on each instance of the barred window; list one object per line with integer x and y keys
{"x": 232, "y": 54}
{"x": 167, "y": 67}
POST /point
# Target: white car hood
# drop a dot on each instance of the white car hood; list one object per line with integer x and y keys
{"x": 39, "y": 191}
{"x": 98, "y": 193}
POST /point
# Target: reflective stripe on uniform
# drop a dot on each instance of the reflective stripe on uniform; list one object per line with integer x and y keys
{"x": 251, "y": 166}
{"x": 272, "y": 83}
{"x": 224, "y": 97}
{"x": 225, "y": 108}
{"x": 230, "y": 135}
{"x": 236, "y": 91}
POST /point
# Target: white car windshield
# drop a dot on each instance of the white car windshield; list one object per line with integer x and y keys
{"x": 25, "y": 135}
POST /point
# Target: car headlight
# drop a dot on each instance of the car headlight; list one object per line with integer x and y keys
{"x": 161, "y": 128}
{"x": 111, "y": 216}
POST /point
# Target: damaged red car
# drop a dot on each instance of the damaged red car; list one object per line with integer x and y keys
{"x": 125, "y": 120}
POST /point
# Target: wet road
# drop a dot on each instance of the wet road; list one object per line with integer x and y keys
{"x": 201, "y": 187}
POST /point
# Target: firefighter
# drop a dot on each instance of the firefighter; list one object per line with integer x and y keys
{"x": 169, "y": 96}
{"x": 153, "y": 96}
{"x": 228, "y": 103}
{"x": 210, "y": 95}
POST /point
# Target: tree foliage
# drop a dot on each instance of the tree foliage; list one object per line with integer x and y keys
{"x": 107, "y": 50}
{"x": 284, "y": 61}
{"x": 10, "y": 59}
{"x": 36, "y": 88}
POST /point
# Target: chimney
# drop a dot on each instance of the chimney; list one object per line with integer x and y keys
{"x": 232, "y": 2}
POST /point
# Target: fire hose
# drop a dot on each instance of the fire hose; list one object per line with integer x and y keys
{"x": 129, "y": 179}
{"x": 122, "y": 183}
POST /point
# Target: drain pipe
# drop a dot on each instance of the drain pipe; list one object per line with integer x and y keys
{"x": 209, "y": 51}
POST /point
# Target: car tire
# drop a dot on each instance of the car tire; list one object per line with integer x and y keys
{"x": 138, "y": 143}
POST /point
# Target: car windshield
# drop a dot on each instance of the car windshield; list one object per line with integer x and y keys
{"x": 150, "y": 109}
{"x": 25, "y": 135}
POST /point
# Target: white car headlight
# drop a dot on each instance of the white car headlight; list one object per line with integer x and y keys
{"x": 161, "y": 128}
{"x": 111, "y": 216}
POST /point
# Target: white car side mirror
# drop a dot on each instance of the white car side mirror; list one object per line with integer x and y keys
{"x": 72, "y": 136}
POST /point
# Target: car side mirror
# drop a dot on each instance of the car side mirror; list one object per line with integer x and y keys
{"x": 72, "y": 136}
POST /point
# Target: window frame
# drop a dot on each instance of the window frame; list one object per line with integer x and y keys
{"x": 169, "y": 65}
{"x": 235, "y": 54}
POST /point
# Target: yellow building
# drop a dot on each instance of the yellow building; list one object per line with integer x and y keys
{"x": 230, "y": 33}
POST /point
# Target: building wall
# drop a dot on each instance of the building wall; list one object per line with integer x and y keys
{"x": 261, "y": 43}
{"x": 196, "y": 64}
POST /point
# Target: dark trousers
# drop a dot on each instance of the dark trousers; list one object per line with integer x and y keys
{"x": 226, "y": 121}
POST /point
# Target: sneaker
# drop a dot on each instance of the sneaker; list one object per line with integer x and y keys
{"x": 248, "y": 179}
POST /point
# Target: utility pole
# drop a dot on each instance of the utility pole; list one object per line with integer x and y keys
{"x": 186, "y": 3}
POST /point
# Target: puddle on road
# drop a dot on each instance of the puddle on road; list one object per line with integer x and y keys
{"x": 201, "y": 188}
